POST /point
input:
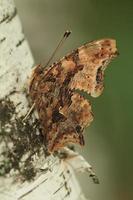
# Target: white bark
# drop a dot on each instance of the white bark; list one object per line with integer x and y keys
{"x": 56, "y": 180}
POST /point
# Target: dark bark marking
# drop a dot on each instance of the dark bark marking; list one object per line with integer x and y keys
{"x": 12, "y": 16}
{"x": 7, "y": 17}
{"x": 20, "y": 42}
{"x": 3, "y": 39}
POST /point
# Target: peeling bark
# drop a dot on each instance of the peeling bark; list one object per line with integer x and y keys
{"x": 25, "y": 171}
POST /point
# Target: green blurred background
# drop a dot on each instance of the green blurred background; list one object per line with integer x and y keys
{"x": 109, "y": 139}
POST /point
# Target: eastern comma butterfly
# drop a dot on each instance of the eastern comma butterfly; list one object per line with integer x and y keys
{"x": 63, "y": 112}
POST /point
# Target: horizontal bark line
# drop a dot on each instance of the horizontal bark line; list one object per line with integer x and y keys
{"x": 8, "y": 17}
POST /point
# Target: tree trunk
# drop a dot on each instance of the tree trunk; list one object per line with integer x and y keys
{"x": 25, "y": 172}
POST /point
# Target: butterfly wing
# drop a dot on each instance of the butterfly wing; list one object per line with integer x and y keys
{"x": 63, "y": 113}
{"x": 94, "y": 57}
{"x": 78, "y": 115}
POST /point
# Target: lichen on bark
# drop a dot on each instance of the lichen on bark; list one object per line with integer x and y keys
{"x": 21, "y": 141}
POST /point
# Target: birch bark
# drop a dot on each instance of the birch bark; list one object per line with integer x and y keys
{"x": 24, "y": 174}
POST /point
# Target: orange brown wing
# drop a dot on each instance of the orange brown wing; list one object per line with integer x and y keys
{"x": 63, "y": 113}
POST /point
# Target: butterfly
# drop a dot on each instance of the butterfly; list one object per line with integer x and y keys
{"x": 63, "y": 112}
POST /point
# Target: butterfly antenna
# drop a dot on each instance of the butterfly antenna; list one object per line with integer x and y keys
{"x": 61, "y": 42}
